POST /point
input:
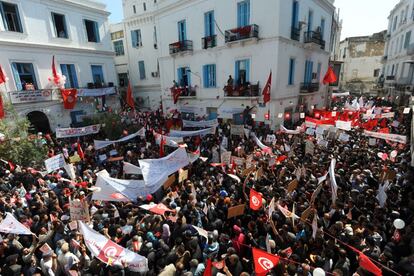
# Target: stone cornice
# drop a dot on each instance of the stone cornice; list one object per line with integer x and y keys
{"x": 30, "y": 46}
{"x": 88, "y": 5}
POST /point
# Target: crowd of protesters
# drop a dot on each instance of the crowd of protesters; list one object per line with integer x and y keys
{"x": 173, "y": 247}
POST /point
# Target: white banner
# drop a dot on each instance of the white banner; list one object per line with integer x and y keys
{"x": 260, "y": 144}
{"x": 289, "y": 131}
{"x": 345, "y": 125}
{"x": 209, "y": 123}
{"x": 131, "y": 169}
{"x": 54, "y": 163}
{"x": 181, "y": 133}
{"x": 96, "y": 92}
{"x": 387, "y": 136}
{"x": 154, "y": 170}
{"x": 113, "y": 189}
{"x": 100, "y": 144}
{"x": 75, "y": 132}
{"x": 169, "y": 141}
{"x": 11, "y": 225}
{"x": 110, "y": 252}
{"x": 340, "y": 94}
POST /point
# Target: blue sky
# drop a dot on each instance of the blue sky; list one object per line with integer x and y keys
{"x": 115, "y": 8}
{"x": 360, "y": 17}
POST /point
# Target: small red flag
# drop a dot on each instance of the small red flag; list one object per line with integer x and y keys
{"x": 80, "y": 151}
{"x": 368, "y": 265}
{"x": 267, "y": 88}
{"x": 3, "y": 77}
{"x": 130, "y": 98}
{"x": 255, "y": 200}
{"x": 208, "y": 270}
{"x": 54, "y": 72}
{"x": 176, "y": 93}
{"x": 162, "y": 144}
{"x": 69, "y": 98}
{"x": 2, "y": 113}
{"x": 330, "y": 76}
{"x": 11, "y": 166}
{"x": 263, "y": 261}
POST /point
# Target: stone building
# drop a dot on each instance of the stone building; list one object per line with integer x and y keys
{"x": 361, "y": 57}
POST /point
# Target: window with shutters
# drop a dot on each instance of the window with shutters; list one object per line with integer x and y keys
{"x": 141, "y": 67}
{"x": 209, "y": 75}
{"x": 11, "y": 19}
{"x": 119, "y": 48}
{"x": 92, "y": 30}
{"x": 136, "y": 38}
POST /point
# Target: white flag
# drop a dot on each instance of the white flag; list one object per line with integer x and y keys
{"x": 382, "y": 195}
{"x": 11, "y": 225}
{"x": 131, "y": 169}
{"x": 334, "y": 186}
{"x": 314, "y": 225}
{"x": 110, "y": 252}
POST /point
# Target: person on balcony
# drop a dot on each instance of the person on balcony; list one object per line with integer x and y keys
{"x": 228, "y": 89}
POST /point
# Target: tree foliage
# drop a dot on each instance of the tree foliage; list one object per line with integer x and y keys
{"x": 16, "y": 145}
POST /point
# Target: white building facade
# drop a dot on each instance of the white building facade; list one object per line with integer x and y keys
{"x": 202, "y": 43}
{"x": 138, "y": 62}
{"x": 76, "y": 32}
{"x": 199, "y": 44}
{"x": 362, "y": 62}
{"x": 398, "y": 60}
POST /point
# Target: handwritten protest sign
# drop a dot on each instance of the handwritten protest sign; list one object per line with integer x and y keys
{"x": 182, "y": 175}
{"x": 236, "y": 211}
{"x": 310, "y": 147}
{"x": 226, "y": 157}
{"x": 237, "y": 130}
{"x": 79, "y": 210}
{"x": 170, "y": 181}
{"x": 238, "y": 161}
{"x": 54, "y": 163}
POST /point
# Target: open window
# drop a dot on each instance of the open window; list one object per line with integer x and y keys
{"x": 11, "y": 19}
{"x": 60, "y": 25}
{"x": 92, "y": 30}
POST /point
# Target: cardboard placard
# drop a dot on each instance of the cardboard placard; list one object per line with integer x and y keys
{"x": 292, "y": 185}
{"x": 238, "y": 161}
{"x": 237, "y": 130}
{"x": 320, "y": 130}
{"x": 45, "y": 248}
{"x": 323, "y": 143}
{"x": 114, "y": 159}
{"x": 249, "y": 161}
{"x": 73, "y": 225}
{"x": 79, "y": 210}
{"x": 182, "y": 175}
{"x": 169, "y": 182}
{"x": 372, "y": 141}
{"x": 236, "y": 211}
{"x": 306, "y": 213}
{"x": 226, "y": 157}
{"x": 74, "y": 159}
{"x": 310, "y": 131}
{"x": 248, "y": 171}
{"x": 102, "y": 157}
{"x": 343, "y": 137}
{"x": 310, "y": 147}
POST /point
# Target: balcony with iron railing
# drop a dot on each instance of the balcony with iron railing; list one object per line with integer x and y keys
{"x": 181, "y": 47}
{"x": 209, "y": 42}
{"x": 309, "y": 87}
{"x": 242, "y": 33}
{"x": 249, "y": 90}
{"x": 184, "y": 92}
{"x": 315, "y": 37}
{"x": 295, "y": 34}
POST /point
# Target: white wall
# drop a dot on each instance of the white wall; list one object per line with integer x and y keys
{"x": 271, "y": 52}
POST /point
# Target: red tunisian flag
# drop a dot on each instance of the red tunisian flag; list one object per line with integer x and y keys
{"x": 69, "y": 97}
{"x": 263, "y": 261}
{"x": 80, "y": 151}
{"x": 1, "y": 107}
{"x": 255, "y": 200}
{"x": 176, "y": 93}
{"x": 267, "y": 88}
{"x": 368, "y": 265}
{"x": 3, "y": 77}
{"x": 54, "y": 72}
{"x": 330, "y": 76}
{"x": 130, "y": 98}
{"x": 208, "y": 270}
